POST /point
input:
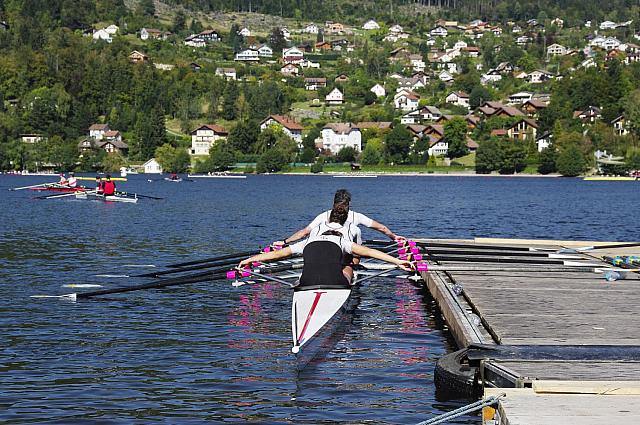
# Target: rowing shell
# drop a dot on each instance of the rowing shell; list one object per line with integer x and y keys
{"x": 59, "y": 188}
{"x": 315, "y": 315}
{"x": 112, "y": 198}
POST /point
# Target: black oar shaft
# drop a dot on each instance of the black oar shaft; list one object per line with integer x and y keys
{"x": 463, "y": 258}
{"x": 212, "y": 259}
{"x": 188, "y": 269}
{"x": 456, "y": 245}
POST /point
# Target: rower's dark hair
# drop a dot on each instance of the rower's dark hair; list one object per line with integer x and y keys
{"x": 342, "y": 196}
{"x": 339, "y": 214}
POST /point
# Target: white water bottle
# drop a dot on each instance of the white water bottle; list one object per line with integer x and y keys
{"x": 457, "y": 289}
{"x": 613, "y": 275}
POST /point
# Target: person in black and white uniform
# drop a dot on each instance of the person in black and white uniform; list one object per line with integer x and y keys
{"x": 325, "y": 253}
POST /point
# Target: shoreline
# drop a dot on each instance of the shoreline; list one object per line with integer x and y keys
{"x": 418, "y": 174}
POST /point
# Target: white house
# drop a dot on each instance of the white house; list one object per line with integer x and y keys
{"x": 336, "y": 136}
{"x": 152, "y": 167}
{"x": 248, "y": 55}
{"x": 309, "y": 64}
{"x": 194, "y": 40}
{"x": 397, "y": 29}
{"x": 97, "y": 131}
{"x": 438, "y": 147}
{"x": 439, "y": 31}
{"x": 147, "y": 33}
{"x": 445, "y": 76}
{"x": 203, "y": 137}
{"x": 556, "y": 50}
{"x": 227, "y": 73}
{"x": 311, "y": 29}
{"x": 520, "y": 97}
{"x": 292, "y": 55}
{"x": 290, "y": 127}
{"x": 290, "y": 70}
{"x": 245, "y": 32}
{"x": 335, "y": 97}
{"x": 406, "y": 100}
{"x": 460, "y": 44}
{"x": 102, "y": 35}
{"x": 459, "y": 98}
{"x": 378, "y": 90}
{"x": 537, "y": 77}
{"x": 608, "y": 25}
{"x": 112, "y": 29}
{"x": 417, "y": 64}
{"x": 265, "y": 51}
{"x": 285, "y": 33}
{"x": 544, "y": 141}
{"x": 371, "y": 25}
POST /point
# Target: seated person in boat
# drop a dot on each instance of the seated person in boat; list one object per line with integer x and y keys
{"x": 109, "y": 187}
{"x": 343, "y": 197}
{"x": 63, "y": 180}
{"x": 325, "y": 252}
{"x": 72, "y": 182}
{"x": 99, "y": 185}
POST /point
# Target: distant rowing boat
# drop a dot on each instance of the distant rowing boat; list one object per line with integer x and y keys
{"x": 216, "y": 176}
{"x": 356, "y": 175}
{"x": 606, "y": 178}
{"x": 54, "y": 187}
{"x": 103, "y": 198}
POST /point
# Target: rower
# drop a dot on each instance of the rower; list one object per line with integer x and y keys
{"x": 63, "y": 180}
{"x": 109, "y": 186}
{"x": 99, "y": 185}
{"x": 324, "y": 254}
{"x": 174, "y": 176}
{"x": 72, "y": 182}
{"x": 343, "y": 197}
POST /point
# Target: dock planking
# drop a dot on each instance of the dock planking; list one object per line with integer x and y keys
{"x": 531, "y": 308}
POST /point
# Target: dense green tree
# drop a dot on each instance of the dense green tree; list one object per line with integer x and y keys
{"x": 230, "y": 96}
{"x": 277, "y": 41}
{"x": 397, "y": 144}
{"x": 487, "y": 157}
{"x": 513, "y": 156}
{"x": 420, "y": 151}
{"x": 146, "y": 8}
{"x": 171, "y": 159}
{"x": 373, "y": 152}
{"x": 179, "y": 22}
{"x": 571, "y": 162}
{"x": 272, "y": 161}
{"x": 632, "y": 158}
{"x": 455, "y": 134}
{"x": 221, "y": 156}
{"x": 346, "y": 154}
{"x": 243, "y": 136}
{"x": 478, "y": 96}
{"x": 547, "y": 160}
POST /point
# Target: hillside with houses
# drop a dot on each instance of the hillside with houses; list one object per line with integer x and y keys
{"x": 422, "y": 87}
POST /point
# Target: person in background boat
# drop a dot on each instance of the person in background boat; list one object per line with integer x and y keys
{"x": 63, "y": 180}
{"x": 324, "y": 253}
{"x": 173, "y": 176}
{"x": 109, "y": 187}
{"x": 72, "y": 182}
{"x": 343, "y": 197}
{"x": 99, "y": 185}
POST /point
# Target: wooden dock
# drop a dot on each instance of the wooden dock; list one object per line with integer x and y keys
{"x": 541, "y": 321}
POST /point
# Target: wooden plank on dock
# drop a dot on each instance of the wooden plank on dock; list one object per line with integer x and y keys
{"x": 587, "y": 387}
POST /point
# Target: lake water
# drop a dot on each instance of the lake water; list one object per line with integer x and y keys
{"x": 209, "y": 352}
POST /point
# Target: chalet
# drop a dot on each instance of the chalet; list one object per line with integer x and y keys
{"x": 523, "y": 129}
{"x": 248, "y": 55}
{"x": 153, "y": 33}
{"x": 378, "y": 90}
{"x": 336, "y": 136}
{"x": 195, "y": 66}
{"x": 438, "y": 147}
{"x": 371, "y": 25}
{"x": 399, "y": 55}
{"x": 292, "y": 55}
{"x": 434, "y": 130}
{"x": 537, "y": 77}
{"x": 410, "y": 84}
{"x": 523, "y": 39}
{"x": 97, "y": 131}
{"x": 608, "y": 25}
{"x": 620, "y": 126}
{"x": 112, "y": 29}
{"x": 439, "y": 31}
{"x": 406, "y": 100}
{"x": 290, "y": 127}
{"x": 194, "y": 40}
{"x": 333, "y": 27}
{"x": 227, "y": 73}
{"x": 459, "y": 98}
{"x": 508, "y": 112}
{"x": 322, "y": 46}
{"x": 556, "y": 50}
{"x": 421, "y": 76}
{"x": 31, "y": 138}
{"x": 589, "y": 115}
{"x": 102, "y": 35}
{"x": 472, "y": 145}
{"x": 113, "y": 146}
{"x": 544, "y": 141}
{"x": 375, "y": 125}
{"x": 265, "y": 51}
{"x": 557, "y": 22}
{"x": 396, "y": 29}
{"x": 341, "y": 79}
{"x": 416, "y": 131}
{"x": 311, "y": 29}
{"x": 426, "y": 113}
{"x": 411, "y": 117}
{"x": 335, "y": 97}
{"x": 471, "y": 51}
{"x": 209, "y": 36}
{"x": 445, "y": 76}
{"x": 152, "y": 167}
{"x": 203, "y": 137}
{"x": 520, "y": 97}
{"x": 309, "y": 64}
{"x": 137, "y": 57}
{"x": 472, "y": 121}
{"x": 290, "y": 70}
{"x": 112, "y": 136}
{"x": 245, "y": 32}
{"x": 314, "y": 83}
{"x": 285, "y": 33}
{"x": 533, "y": 107}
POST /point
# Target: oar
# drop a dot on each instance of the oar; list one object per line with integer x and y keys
{"x": 254, "y": 273}
{"x": 183, "y": 280}
{"x": 212, "y": 259}
{"x": 596, "y": 247}
{"x": 117, "y": 179}
{"x": 29, "y": 187}
{"x": 138, "y": 195}
{"x": 462, "y": 258}
{"x": 465, "y": 245}
{"x": 227, "y": 263}
{"x": 65, "y": 194}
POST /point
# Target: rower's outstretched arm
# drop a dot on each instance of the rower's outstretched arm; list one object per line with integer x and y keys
{"x": 266, "y": 256}
{"x": 385, "y": 230}
{"x": 302, "y": 233}
{"x": 374, "y": 253}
